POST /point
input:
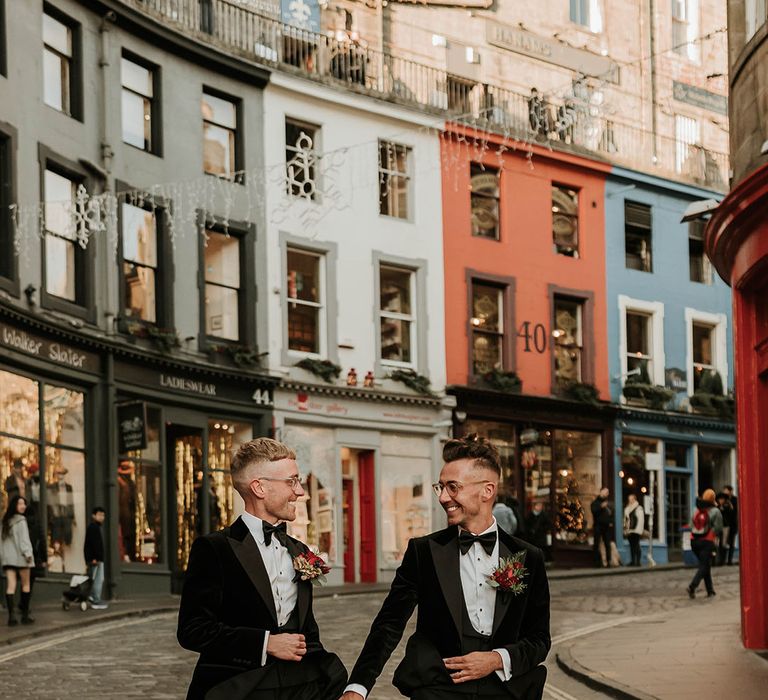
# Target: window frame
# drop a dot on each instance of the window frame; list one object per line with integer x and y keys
{"x": 485, "y": 170}
{"x": 9, "y": 140}
{"x": 407, "y": 175}
{"x": 655, "y": 310}
{"x": 76, "y": 62}
{"x": 507, "y": 285}
{"x": 156, "y": 115}
{"x": 629, "y": 203}
{"x": 84, "y": 306}
{"x": 587, "y": 300}
{"x": 696, "y": 233}
{"x": 315, "y": 158}
{"x": 576, "y": 254}
{"x": 328, "y": 324}
{"x": 719, "y": 324}
{"x": 246, "y": 234}
{"x": 581, "y": 15}
{"x": 165, "y": 270}
{"x": 238, "y": 152}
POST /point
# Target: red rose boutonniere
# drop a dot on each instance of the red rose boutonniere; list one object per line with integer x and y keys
{"x": 310, "y": 567}
{"x": 508, "y": 576}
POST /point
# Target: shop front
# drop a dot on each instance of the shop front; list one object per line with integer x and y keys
{"x": 666, "y": 460}
{"x": 368, "y": 460}
{"x": 177, "y": 430}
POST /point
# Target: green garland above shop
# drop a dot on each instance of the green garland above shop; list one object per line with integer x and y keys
{"x": 418, "y": 382}
{"x": 325, "y": 369}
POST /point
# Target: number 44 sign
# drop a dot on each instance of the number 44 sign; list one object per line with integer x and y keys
{"x": 537, "y": 338}
{"x": 262, "y": 397}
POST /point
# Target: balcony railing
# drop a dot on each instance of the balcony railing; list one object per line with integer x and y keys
{"x": 253, "y": 31}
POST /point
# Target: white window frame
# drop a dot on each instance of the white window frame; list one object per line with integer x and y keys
{"x": 412, "y": 318}
{"x": 655, "y": 310}
{"x": 690, "y": 19}
{"x": 719, "y": 323}
{"x": 687, "y": 134}
{"x": 320, "y": 305}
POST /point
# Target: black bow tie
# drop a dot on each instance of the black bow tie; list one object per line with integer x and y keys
{"x": 279, "y": 531}
{"x": 467, "y": 539}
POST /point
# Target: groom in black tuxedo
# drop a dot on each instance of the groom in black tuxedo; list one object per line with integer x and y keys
{"x": 242, "y": 607}
{"x": 471, "y": 640}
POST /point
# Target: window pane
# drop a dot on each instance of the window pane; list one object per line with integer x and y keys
{"x": 484, "y": 185}
{"x": 65, "y": 491}
{"x": 713, "y": 467}
{"x": 565, "y": 220}
{"x": 220, "y": 111}
{"x": 395, "y": 290}
{"x": 19, "y": 471}
{"x": 222, "y": 259}
{"x": 55, "y": 81}
{"x": 224, "y": 438}
{"x": 303, "y": 328}
{"x": 395, "y": 340}
{"x": 136, "y": 77}
{"x": 567, "y": 336}
{"x": 300, "y": 159}
{"x": 702, "y": 344}
{"x": 139, "y": 511}
{"x": 19, "y": 405}
{"x": 139, "y": 235}
{"x": 486, "y": 352}
{"x": 486, "y": 308}
{"x": 57, "y": 35}
{"x": 218, "y": 150}
{"x": 303, "y": 276}
{"x": 59, "y": 197}
{"x": 393, "y": 195}
{"x": 60, "y": 267}
{"x": 140, "y": 295}
{"x": 637, "y": 334}
{"x": 64, "y": 417}
{"x": 137, "y": 120}
{"x": 698, "y": 263}
{"x": 635, "y": 477}
{"x": 221, "y": 312}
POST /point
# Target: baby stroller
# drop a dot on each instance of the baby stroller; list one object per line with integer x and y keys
{"x": 78, "y": 592}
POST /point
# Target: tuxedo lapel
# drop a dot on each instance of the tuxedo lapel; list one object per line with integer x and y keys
{"x": 304, "y": 588}
{"x": 502, "y": 599}
{"x": 445, "y": 557}
{"x": 247, "y": 552}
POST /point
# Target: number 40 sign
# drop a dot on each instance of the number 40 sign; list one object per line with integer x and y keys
{"x": 535, "y": 341}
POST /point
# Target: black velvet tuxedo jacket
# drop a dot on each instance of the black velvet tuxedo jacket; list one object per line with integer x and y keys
{"x": 429, "y": 578}
{"x": 227, "y": 606}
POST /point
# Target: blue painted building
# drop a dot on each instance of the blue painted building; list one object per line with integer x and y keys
{"x": 671, "y": 361}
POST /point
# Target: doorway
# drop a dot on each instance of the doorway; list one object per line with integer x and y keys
{"x": 678, "y": 513}
{"x": 359, "y": 515}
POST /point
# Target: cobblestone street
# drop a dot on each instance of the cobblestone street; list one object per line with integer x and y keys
{"x": 140, "y": 657}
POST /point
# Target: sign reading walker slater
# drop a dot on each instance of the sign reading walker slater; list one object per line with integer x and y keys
{"x": 36, "y": 346}
{"x": 132, "y": 426}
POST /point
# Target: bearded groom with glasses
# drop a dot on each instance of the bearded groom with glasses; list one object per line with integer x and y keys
{"x": 244, "y": 608}
{"x": 482, "y": 627}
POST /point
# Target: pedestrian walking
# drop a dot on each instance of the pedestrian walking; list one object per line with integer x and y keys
{"x": 505, "y": 516}
{"x": 17, "y": 558}
{"x": 634, "y": 525}
{"x": 93, "y": 551}
{"x": 538, "y": 526}
{"x": 603, "y": 528}
{"x": 725, "y": 508}
{"x": 734, "y": 524}
{"x": 706, "y": 526}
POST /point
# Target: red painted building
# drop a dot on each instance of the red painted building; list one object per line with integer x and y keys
{"x": 524, "y": 249}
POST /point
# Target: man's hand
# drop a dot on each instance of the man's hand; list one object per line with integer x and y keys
{"x": 474, "y": 666}
{"x": 351, "y": 695}
{"x": 288, "y": 647}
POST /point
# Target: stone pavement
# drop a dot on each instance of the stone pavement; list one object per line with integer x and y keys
{"x": 688, "y": 654}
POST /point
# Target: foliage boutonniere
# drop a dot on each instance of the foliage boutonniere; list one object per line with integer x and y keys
{"x": 508, "y": 576}
{"x": 310, "y": 567}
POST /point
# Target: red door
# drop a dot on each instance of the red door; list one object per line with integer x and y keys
{"x": 348, "y": 507}
{"x": 367, "y": 517}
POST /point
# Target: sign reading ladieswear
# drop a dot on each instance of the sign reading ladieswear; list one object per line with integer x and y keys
{"x": 551, "y": 51}
{"x": 37, "y": 346}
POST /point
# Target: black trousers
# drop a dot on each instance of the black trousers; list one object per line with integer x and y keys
{"x": 634, "y": 548}
{"x": 703, "y": 549}
{"x": 451, "y": 694}
{"x": 732, "y": 532}
{"x": 605, "y": 536}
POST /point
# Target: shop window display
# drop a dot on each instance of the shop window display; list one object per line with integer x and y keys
{"x": 188, "y": 471}
{"x": 635, "y": 477}
{"x": 224, "y": 439}
{"x": 714, "y": 468}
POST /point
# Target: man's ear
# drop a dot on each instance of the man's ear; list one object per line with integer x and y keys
{"x": 256, "y": 489}
{"x": 490, "y": 491}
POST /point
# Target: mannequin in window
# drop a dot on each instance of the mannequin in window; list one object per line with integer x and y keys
{"x": 61, "y": 511}
{"x": 15, "y": 485}
{"x": 126, "y": 485}
{"x": 34, "y": 522}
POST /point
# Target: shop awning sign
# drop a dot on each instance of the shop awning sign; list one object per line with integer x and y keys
{"x": 132, "y": 426}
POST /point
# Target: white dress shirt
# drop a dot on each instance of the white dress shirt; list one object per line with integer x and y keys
{"x": 474, "y": 568}
{"x": 279, "y": 566}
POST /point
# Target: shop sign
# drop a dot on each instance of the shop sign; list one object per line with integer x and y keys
{"x": 188, "y": 386}
{"x": 304, "y": 402}
{"x": 37, "y": 346}
{"x": 529, "y": 44}
{"x": 699, "y": 97}
{"x": 132, "y": 426}
{"x": 676, "y": 379}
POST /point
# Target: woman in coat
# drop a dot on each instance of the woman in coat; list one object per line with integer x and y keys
{"x": 17, "y": 557}
{"x": 634, "y": 525}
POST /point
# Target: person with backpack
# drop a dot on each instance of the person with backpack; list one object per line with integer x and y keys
{"x": 706, "y": 527}
{"x": 634, "y": 524}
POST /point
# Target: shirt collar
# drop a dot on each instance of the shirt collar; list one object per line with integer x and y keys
{"x": 255, "y": 526}
{"x": 493, "y": 528}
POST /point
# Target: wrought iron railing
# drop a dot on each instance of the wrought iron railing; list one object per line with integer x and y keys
{"x": 253, "y": 31}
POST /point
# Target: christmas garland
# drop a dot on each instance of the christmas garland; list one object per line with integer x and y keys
{"x": 419, "y": 383}
{"x": 325, "y": 369}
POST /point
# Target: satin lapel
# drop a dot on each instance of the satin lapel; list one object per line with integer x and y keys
{"x": 503, "y": 600}
{"x": 445, "y": 557}
{"x": 304, "y": 588}
{"x": 249, "y": 556}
